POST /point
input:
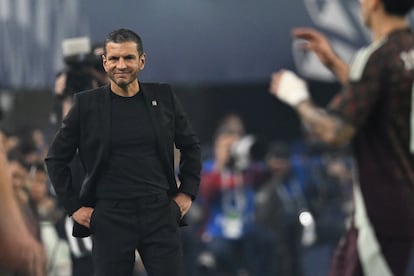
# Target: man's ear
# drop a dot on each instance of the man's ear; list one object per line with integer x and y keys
{"x": 104, "y": 60}
{"x": 142, "y": 59}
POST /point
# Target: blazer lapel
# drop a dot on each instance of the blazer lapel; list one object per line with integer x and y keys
{"x": 105, "y": 115}
{"x": 151, "y": 102}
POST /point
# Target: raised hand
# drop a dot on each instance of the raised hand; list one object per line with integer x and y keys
{"x": 288, "y": 88}
{"x": 319, "y": 44}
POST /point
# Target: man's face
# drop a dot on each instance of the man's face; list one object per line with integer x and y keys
{"x": 123, "y": 62}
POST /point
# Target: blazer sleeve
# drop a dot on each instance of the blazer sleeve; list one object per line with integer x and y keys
{"x": 60, "y": 154}
{"x": 188, "y": 144}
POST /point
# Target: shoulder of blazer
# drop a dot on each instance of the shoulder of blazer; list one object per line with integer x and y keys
{"x": 155, "y": 87}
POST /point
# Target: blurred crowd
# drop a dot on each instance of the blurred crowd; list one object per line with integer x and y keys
{"x": 26, "y": 149}
{"x": 267, "y": 207}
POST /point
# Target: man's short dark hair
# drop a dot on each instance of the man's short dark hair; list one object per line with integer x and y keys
{"x": 124, "y": 35}
{"x": 398, "y": 7}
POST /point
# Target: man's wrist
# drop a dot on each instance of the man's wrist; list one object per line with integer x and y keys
{"x": 186, "y": 194}
{"x": 303, "y": 104}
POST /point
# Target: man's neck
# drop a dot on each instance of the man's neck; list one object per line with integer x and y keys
{"x": 385, "y": 25}
{"x": 127, "y": 91}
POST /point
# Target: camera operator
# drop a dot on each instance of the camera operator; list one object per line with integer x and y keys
{"x": 83, "y": 70}
{"x": 97, "y": 70}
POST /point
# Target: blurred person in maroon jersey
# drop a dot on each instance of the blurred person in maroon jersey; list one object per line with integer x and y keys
{"x": 374, "y": 111}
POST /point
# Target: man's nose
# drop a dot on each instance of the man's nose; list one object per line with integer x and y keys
{"x": 121, "y": 63}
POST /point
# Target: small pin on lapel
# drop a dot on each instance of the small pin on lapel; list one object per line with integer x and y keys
{"x": 154, "y": 103}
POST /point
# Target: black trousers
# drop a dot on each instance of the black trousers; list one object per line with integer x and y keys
{"x": 82, "y": 266}
{"x": 150, "y": 225}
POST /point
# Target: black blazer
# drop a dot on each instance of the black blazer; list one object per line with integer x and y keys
{"x": 86, "y": 130}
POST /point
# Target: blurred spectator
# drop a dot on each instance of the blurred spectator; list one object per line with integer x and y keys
{"x": 39, "y": 141}
{"x": 231, "y": 239}
{"x": 280, "y": 202}
{"x": 21, "y": 253}
{"x": 28, "y": 148}
{"x": 50, "y": 216}
{"x": 329, "y": 194}
{"x": 332, "y": 198}
{"x": 19, "y": 175}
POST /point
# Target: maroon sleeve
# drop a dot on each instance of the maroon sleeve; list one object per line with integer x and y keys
{"x": 356, "y": 100}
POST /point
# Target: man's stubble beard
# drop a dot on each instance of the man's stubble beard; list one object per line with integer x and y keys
{"x": 124, "y": 84}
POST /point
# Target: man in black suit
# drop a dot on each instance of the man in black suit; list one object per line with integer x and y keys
{"x": 125, "y": 135}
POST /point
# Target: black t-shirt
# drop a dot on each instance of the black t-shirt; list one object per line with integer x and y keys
{"x": 134, "y": 166}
